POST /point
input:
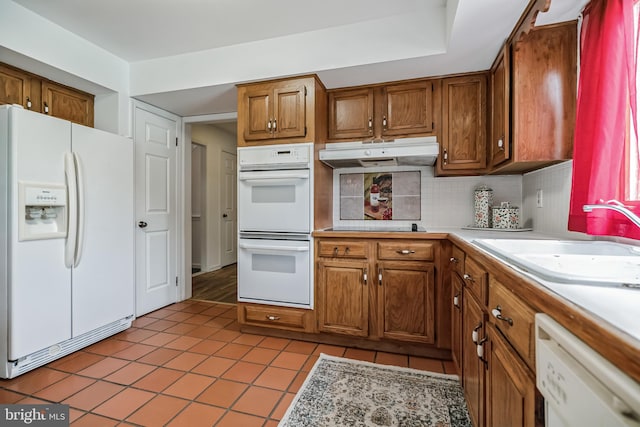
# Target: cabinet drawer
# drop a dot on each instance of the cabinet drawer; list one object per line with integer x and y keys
{"x": 457, "y": 260}
{"x": 475, "y": 279}
{"x": 275, "y": 317}
{"x": 513, "y": 318}
{"x": 405, "y": 250}
{"x": 342, "y": 249}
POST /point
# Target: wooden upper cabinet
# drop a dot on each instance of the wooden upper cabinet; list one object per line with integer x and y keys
{"x": 543, "y": 98}
{"x": 463, "y": 142}
{"x": 44, "y": 96}
{"x": 67, "y": 104}
{"x": 408, "y": 108}
{"x": 499, "y": 142}
{"x": 386, "y": 111}
{"x": 351, "y": 114}
{"x": 281, "y": 111}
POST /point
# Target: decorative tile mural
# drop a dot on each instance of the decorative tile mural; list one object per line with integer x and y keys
{"x": 380, "y": 196}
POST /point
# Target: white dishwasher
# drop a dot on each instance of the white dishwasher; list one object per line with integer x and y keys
{"x": 580, "y": 387}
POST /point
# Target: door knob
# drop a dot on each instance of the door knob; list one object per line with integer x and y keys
{"x": 142, "y": 224}
{"x": 224, "y": 215}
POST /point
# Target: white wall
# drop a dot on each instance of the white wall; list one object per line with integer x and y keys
{"x": 35, "y": 44}
{"x": 216, "y": 141}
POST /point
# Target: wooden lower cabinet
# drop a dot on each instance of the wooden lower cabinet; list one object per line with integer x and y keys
{"x": 406, "y": 301}
{"x": 473, "y": 380}
{"x": 456, "y": 320}
{"x": 343, "y": 297}
{"x": 511, "y": 387}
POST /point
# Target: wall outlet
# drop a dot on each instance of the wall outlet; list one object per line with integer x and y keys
{"x": 539, "y": 198}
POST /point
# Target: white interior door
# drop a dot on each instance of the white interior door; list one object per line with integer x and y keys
{"x": 156, "y": 211}
{"x": 229, "y": 222}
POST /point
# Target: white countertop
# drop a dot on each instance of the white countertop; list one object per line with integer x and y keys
{"x": 617, "y": 306}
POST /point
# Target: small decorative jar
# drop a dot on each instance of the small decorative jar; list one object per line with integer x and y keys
{"x": 482, "y": 201}
{"x": 506, "y": 216}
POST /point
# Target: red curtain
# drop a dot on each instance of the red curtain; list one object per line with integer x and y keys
{"x": 606, "y": 91}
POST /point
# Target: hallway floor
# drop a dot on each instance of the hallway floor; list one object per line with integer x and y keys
{"x": 185, "y": 365}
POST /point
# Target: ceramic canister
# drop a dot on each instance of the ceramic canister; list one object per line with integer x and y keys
{"x": 482, "y": 201}
{"x": 506, "y": 216}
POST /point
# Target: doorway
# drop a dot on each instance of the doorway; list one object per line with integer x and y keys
{"x": 213, "y": 219}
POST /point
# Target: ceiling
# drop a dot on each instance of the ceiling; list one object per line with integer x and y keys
{"x": 353, "y": 42}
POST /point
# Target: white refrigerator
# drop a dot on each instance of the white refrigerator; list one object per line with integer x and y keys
{"x": 66, "y": 246}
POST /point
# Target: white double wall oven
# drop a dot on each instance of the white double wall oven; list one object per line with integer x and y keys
{"x": 275, "y": 220}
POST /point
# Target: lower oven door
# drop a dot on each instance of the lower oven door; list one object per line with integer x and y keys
{"x": 275, "y": 272}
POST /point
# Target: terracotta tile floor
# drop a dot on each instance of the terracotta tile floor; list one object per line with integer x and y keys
{"x": 187, "y": 364}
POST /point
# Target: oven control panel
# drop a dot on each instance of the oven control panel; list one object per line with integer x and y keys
{"x": 280, "y": 156}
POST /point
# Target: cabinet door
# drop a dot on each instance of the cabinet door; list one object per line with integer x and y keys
{"x": 16, "y": 87}
{"x": 67, "y": 104}
{"x": 256, "y": 105}
{"x": 464, "y": 123}
{"x": 407, "y": 108}
{"x": 511, "y": 387}
{"x": 456, "y": 321}
{"x": 406, "y": 301}
{"x": 351, "y": 114}
{"x": 343, "y": 297}
{"x": 289, "y": 117}
{"x": 473, "y": 368}
{"x": 500, "y": 147}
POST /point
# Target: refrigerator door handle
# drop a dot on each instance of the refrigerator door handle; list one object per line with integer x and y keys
{"x": 72, "y": 208}
{"x": 80, "y": 201}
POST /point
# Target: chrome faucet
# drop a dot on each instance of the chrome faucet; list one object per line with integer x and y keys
{"x": 614, "y": 205}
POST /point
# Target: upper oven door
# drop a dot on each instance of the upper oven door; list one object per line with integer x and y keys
{"x": 275, "y": 200}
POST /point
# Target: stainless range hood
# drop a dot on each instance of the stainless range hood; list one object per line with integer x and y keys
{"x": 401, "y": 152}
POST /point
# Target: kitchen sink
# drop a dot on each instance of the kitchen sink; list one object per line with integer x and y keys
{"x": 571, "y": 262}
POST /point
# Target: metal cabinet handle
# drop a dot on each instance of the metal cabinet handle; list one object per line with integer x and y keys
{"x": 380, "y": 277}
{"x": 370, "y": 125}
{"x": 272, "y": 317}
{"x": 474, "y": 334}
{"x": 480, "y": 348}
{"x": 269, "y": 125}
{"x": 497, "y": 313}
{"x": 406, "y": 251}
{"x": 275, "y": 124}
{"x": 453, "y": 260}
{"x": 467, "y": 277}
{"x": 364, "y": 276}
{"x": 501, "y": 143}
{"x": 335, "y": 251}
{"x": 445, "y": 157}
{"x": 46, "y": 108}
{"x": 28, "y": 103}
{"x": 384, "y": 121}
{"x": 456, "y": 301}
{"x": 346, "y": 250}
{"x": 142, "y": 224}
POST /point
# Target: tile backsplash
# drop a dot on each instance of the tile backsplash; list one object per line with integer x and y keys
{"x": 444, "y": 201}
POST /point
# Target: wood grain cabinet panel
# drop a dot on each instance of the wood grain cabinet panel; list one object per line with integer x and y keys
{"x": 281, "y": 111}
{"x": 343, "y": 297}
{"x": 351, "y": 114}
{"x": 342, "y": 249}
{"x": 44, "y": 96}
{"x": 383, "y": 112}
{"x": 276, "y": 317}
{"x": 456, "y": 320}
{"x": 406, "y": 251}
{"x": 463, "y": 144}
{"x": 67, "y": 104}
{"x": 542, "y": 99}
{"x": 511, "y": 386}
{"x": 500, "y": 140}
{"x": 406, "y": 301}
{"x": 473, "y": 367}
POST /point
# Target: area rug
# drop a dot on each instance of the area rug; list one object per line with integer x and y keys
{"x": 345, "y": 392}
